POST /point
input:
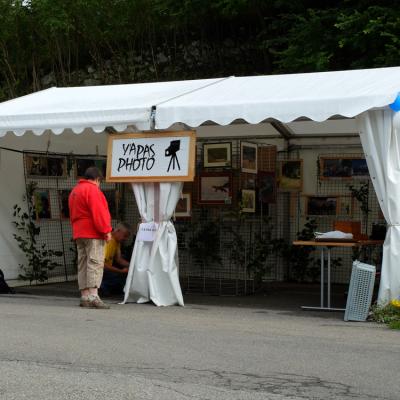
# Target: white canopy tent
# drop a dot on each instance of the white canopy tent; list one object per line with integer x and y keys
{"x": 278, "y": 100}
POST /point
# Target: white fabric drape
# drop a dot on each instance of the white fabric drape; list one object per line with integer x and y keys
{"x": 153, "y": 273}
{"x": 379, "y": 133}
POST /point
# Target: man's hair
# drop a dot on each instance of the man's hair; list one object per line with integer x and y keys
{"x": 123, "y": 226}
{"x": 93, "y": 173}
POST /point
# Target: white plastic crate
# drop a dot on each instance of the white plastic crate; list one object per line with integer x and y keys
{"x": 360, "y": 292}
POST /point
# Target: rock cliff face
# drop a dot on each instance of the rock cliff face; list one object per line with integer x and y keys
{"x": 53, "y": 42}
{"x": 49, "y": 43}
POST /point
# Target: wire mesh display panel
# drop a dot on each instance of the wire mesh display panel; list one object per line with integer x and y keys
{"x": 339, "y": 192}
{"x": 49, "y": 179}
{"x": 243, "y": 217}
{"x": 313, "y": 201}
{"x": 220, "y": 243}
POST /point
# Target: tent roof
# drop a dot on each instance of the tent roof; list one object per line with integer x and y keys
{"x": 95, "y": 107}
{"x": 316, "y": 96}
{"x": 285, "y": 98}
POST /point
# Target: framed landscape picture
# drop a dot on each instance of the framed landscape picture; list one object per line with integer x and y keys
{"x": 343, "y": 167}
{"x": 184, "y": 206}
{"x": 215, "y": 189}
{"x": 322, "y": 205}
{"x": 82, "y": 164}
{"x": 248, "y": 201}
{"x": 41, "y": 204}
{"x": 248, "y": 157}
{"x": 217, "y": 155}
{"x": 291, "y": 175}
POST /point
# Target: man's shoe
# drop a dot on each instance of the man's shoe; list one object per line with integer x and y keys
{"x": 98, "y": 303}
{"x": 84, "y": 303}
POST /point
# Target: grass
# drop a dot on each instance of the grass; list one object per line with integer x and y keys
{"x": 388, "y": 314}
{"x": 394, "y": 325}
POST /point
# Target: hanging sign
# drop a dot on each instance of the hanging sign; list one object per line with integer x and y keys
{"x": 147, "y": 232}
{"x": 151, "y": 157}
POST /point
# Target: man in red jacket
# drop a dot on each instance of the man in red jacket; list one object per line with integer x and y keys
{"x": 91, "y": 227}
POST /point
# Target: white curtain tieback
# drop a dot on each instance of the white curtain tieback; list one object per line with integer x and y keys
{"x": 157, "y": 222}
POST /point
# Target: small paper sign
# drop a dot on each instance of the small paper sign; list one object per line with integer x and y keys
{"x": 147, "y": 232}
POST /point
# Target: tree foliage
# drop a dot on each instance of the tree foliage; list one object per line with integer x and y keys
{"x": 82, "y": 42}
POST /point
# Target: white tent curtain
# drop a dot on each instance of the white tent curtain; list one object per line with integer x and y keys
{"x": 153, "y": 273}
{"x": 379, "y": 132}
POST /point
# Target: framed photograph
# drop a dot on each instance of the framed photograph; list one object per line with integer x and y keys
{"x": 41, "y": 204}
{"x": 248, "y": 201}
{"x": 63, "y": 196}
{"x": 82, "y": 164}
{"x": 360, "y": 168}
{"x": 266, "y": 183}
{"x": 56, "y": 166}
{"x": 43, "y": 166}
{"x": 217, "y": 155}
{"x": 248, "y": 181}
{"x": 184, "y": 206}
{"x": 215, "y": 189}
{"x": 248, "y": 157}
{"x": 343, "y": 168}
{"x": 36, "y": 166}
{"x": 291, "y": 175}
{"x": 112, "y": 201}
{"x": 322, "y": 205}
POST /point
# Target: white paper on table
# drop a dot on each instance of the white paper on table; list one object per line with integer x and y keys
{"x": 333, "y": 235}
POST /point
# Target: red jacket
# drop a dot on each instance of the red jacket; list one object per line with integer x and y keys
{"x": 88, "y": 210}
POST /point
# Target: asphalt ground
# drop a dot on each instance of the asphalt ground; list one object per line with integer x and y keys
{"x": 213, "y": 348}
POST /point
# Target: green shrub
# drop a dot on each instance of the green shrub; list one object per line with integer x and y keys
{"x": 388, "y": 314}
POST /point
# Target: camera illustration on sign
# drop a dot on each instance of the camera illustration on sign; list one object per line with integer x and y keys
{"x": 151, "y": 157}
{"x": 171, "y": 151}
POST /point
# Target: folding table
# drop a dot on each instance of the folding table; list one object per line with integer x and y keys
{"x": 327, "y": 246}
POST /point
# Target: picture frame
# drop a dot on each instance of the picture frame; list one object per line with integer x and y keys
{"x": 248, "y": 201}
{"x": 56, "y": 167}
{"x": 322, "y": 205}
{"x": 41, "y": 204}
{"x": 249, "y": 157}
{"x": 63, "y": 197}
{"x": 343, "y": 167}
{"x": 346, "y": 206}
{"x": 36, "y": 166}
{"x": 183, "y": 208}
{"x": 42, "y": 166}
{"x": 291, "y": 175}
{"x": 248, "y": 181}
{"x": 217, "y": 155}
{"x": 266, "y": 184}
{"x": 153, "y": 156}
{"x": 82, "y": 164}
{"x": 215, "y": 188}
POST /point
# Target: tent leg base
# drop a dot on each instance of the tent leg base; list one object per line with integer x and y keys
{"x": 309, "y": 308}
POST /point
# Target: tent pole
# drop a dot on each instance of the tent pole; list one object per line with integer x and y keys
{"x": 153, "y": 118}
